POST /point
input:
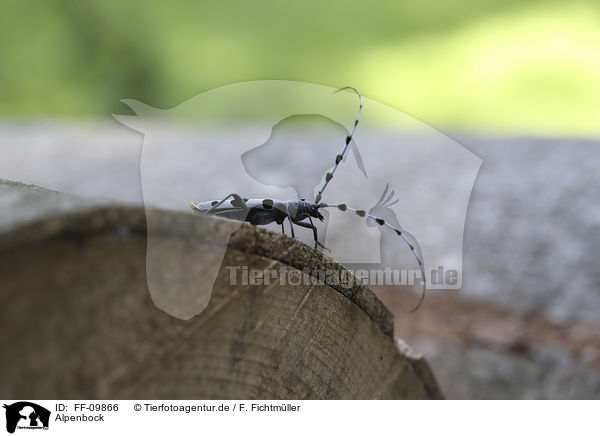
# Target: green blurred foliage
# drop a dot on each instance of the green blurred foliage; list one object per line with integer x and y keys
{"x": 493, "y": 65}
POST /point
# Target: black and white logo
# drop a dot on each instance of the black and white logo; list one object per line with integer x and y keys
{"x": 26, "y": 415}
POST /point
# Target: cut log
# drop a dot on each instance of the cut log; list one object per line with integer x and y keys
{"x": 77, "y": 319}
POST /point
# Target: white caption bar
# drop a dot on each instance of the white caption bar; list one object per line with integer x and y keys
{"x": 297, "y": 417}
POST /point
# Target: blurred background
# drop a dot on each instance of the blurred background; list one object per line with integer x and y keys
{"x": 495, "y": 65}
{"x": 516, "y": 83}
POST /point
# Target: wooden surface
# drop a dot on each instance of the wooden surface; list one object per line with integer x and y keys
{"x": 77, "y": 319}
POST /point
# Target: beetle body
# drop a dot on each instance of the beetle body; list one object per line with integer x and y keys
{"x": 260, "y": 212}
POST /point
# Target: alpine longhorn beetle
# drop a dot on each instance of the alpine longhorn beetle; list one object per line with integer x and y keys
{"x": 265, "y": 211}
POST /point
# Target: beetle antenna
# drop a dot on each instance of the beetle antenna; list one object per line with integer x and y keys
{"x": 340, "y": 156}
{"x": 399, "y": 232}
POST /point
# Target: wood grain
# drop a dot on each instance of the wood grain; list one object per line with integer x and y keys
{"x": 77, "y": 320}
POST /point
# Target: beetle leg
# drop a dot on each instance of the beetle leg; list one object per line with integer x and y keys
{"x": 314, "y": 229}
{"x": 292, "y": 227}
